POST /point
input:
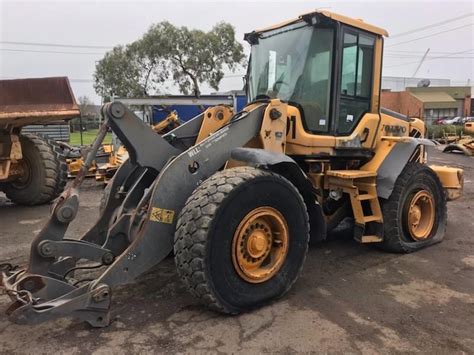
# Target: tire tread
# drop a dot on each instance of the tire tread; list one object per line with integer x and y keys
{"x": 193, "y": 224}
{"x": 393, "y": 239}
{"x": 55, "y": 168}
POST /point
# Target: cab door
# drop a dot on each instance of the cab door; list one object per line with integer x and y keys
{"x": 357, "y": 101}
{"x": 352, "y": 93}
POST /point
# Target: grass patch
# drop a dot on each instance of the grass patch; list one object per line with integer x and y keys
{"x": 88, "y": 137}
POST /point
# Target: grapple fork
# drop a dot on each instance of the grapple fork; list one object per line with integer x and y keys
{"x": 73, "y": 277}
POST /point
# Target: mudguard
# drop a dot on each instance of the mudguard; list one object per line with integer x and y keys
{"x": 287, "y": 167}
{"x": 394, "y": 163}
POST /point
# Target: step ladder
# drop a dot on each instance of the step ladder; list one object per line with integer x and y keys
{"x": 362, "y": 189}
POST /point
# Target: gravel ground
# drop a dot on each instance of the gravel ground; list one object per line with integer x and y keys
{"x": 349, "y": 298}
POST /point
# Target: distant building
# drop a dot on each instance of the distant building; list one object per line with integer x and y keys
{"x": 429, "y": 103}
{"x": 399, "y": 83}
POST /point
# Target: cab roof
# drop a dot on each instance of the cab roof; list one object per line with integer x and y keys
{"x": 358, "y": 23}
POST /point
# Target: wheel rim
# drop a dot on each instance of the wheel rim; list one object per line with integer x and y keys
{"x": 421, "y": 215}
{"x": 260, "y": 244}
{"x": 25, "y": 178}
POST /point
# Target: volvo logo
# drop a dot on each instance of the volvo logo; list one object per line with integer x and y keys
{"x": 395, "y": 130}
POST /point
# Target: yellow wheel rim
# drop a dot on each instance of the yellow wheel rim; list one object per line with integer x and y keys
{"x": 260, "y": 244}
{"x": 421, "y": 215}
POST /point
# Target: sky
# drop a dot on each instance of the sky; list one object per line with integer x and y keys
{"x": 104, "y": 24}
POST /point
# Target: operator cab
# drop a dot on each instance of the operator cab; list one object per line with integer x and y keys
{"x": 322, "y": 63}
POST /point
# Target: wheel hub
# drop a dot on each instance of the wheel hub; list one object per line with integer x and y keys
{"x": 260, "y": 244}
{"x": 415, "y": 216}
{"x": 421, "y": 215}
{"x": 25, "y": 175}
{"x": 257, "y": 244}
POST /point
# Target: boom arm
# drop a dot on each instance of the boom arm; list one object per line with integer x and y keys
{"x": 160, "y": 176}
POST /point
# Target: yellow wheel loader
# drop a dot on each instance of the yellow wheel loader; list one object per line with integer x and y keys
{"x": 33, "y": 169}
{"x": 237, "y": 197}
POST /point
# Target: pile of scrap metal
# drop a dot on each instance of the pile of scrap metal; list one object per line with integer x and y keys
{"x": 110, "y": 156}
{"x": 447, "y": 138}
{"x": 464, "y": 145}
{"x": 75, "y": 158}
{"x": 117, "y": 155}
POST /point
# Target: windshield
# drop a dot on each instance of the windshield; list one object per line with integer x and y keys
{"x": 294, "y": 64}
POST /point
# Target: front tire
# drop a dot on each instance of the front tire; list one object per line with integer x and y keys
{"x": 415, "y": 214}
{"x": 241, "y": 239}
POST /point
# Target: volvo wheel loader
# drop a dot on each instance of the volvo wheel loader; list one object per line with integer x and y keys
{"x": 237, "y": 198}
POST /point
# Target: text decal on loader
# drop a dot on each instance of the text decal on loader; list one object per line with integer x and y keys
{"x": 161, "y": 215}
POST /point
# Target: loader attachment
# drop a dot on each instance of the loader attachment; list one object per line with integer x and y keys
{"x": 74, "y": 277}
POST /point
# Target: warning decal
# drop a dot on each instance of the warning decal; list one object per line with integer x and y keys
{"x": 161, "y": 215}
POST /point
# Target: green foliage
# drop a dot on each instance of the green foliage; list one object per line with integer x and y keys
{"x": 439, "y": 131}
{"x": 189, "y": 57}
{"x": 119, "y": 74}
{"x": 84, "y": 101}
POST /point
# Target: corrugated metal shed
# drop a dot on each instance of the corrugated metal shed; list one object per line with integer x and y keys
{"x": 56, "y": 132}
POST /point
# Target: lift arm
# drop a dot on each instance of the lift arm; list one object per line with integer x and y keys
{"x": 130, "y": 238}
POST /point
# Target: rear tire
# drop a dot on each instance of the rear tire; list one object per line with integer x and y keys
{"x": 46, "y": 172}
{"x": 207, "y": 255}
{"x": 400, "y": 233}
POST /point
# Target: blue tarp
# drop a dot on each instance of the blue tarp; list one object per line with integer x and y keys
{"x": 186, "y": 112}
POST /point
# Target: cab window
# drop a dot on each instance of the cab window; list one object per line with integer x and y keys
{"x": 356, "y": 79}
{"x": 295, "y": 64}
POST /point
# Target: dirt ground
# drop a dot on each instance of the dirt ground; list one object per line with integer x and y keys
{"x": 350, "y": 298}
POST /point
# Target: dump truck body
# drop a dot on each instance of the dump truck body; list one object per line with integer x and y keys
{"x": 40, "y": 100}
{"x": 32, "y": 168}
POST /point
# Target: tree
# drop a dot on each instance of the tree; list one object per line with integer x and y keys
{"x": 189, "y": 57}
{"x": 195, "y": 56}
{"x": 88, "y": 113}
{"x": 151, "y": 66}
{"x": 88, "y": 108}
{"x": 84, "y": 102}
{"x": 118, "y": 74}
